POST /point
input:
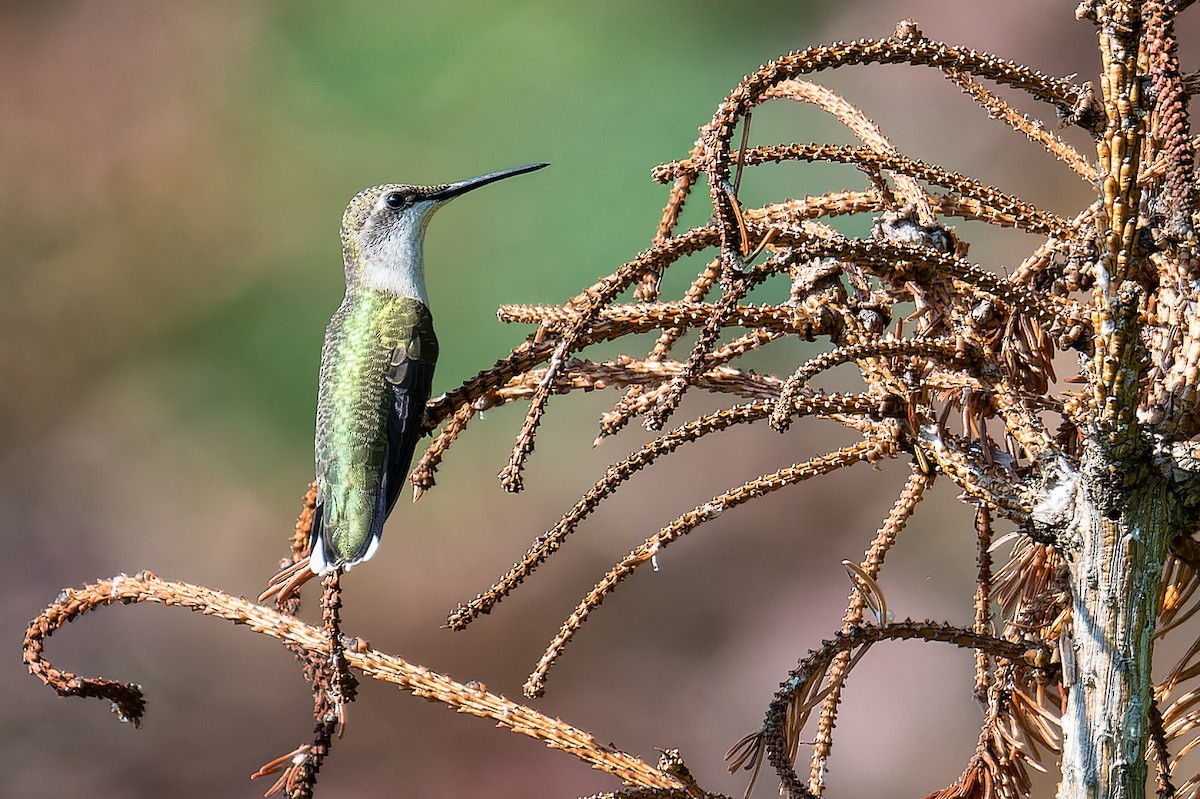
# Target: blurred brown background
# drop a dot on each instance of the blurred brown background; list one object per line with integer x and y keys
{"x": 173, "y": 177}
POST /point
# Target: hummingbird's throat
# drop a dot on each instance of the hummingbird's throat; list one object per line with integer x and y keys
{"x": 404, "y": 279}
{"x": 395, "y": 263}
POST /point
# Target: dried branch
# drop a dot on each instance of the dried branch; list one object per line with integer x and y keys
{"x": 1034, "y": 130}
{"x": 129, "y": 704}
{"x": 867, "y": 450}
{"x": 657, "y": 257}
{"x": 779, "y": 737}
{"x": 550, "y": 541}
{"x": 993, "y": 200}
{"x": 905, "y": 506}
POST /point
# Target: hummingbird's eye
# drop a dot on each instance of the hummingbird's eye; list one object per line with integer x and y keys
{"x": 395, "y": 200}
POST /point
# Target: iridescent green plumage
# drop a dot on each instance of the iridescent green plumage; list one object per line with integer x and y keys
{"x": 376, "y": 372}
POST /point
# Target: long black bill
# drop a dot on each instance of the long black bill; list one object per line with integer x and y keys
{"x": 464, "y": 186}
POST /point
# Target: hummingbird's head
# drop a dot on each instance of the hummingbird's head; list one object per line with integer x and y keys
{"x": 383, "y": 230}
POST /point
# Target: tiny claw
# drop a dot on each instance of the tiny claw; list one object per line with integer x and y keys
{"x": 287, "y": 582}
{"x": 278, "y": 764}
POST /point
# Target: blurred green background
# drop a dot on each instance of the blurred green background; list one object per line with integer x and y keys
{"x": 173, "y": 178}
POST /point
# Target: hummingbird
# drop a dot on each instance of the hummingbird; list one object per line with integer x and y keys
{"x": 376, "y": 370}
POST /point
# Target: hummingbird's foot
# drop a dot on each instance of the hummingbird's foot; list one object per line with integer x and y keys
{"x": 287, "y": 582}
{"x": 292, "y": 769}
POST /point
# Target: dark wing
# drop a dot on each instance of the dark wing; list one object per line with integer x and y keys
{"x": 410, "y": 376}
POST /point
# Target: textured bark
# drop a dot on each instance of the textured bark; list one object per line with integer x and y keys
{"x": 1116, "y": 573}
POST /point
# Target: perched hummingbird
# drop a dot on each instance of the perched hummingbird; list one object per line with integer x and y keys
{"x": 376, "y": 367}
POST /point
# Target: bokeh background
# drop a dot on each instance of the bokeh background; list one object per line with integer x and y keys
{"x": 173, "y": 175}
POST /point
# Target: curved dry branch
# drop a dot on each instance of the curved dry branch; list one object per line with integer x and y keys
{"x": 715, "y": 137}
{"x": 1026, "y": 216}
{"x": 912, "y": 51}
{"x": 146, "y": 587}
{"x": 788, "y": 214}
{"x": 909, "y": 190}
{"x": 779, "y": 738}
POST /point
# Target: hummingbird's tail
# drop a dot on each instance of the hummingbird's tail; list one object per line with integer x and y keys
{"x": 324, "y": 554}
